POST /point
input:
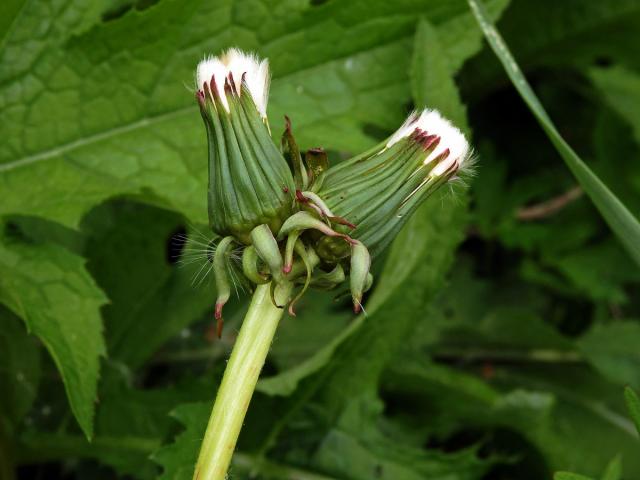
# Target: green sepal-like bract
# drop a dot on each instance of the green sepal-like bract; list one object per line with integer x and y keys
{"x": 380, "y": 190}
{"x": 249, "y": 180}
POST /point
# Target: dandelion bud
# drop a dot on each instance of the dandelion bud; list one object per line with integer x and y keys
{"x": 378, "y": 191}
{"x": 250, "y": 183}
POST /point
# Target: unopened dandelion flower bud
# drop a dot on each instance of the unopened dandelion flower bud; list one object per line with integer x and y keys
{"x": 378, "y": 191}
{"x": 214, "y": 72}
{"x": 451, "y": 149}
{"x": 250, "y": 183}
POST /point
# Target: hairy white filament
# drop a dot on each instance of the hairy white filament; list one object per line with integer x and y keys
{"x": 236, "y": 63}
{"x": 431, "y": 122}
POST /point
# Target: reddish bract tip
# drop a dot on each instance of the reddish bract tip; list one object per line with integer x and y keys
{"x": 232, "y": 83}
{"x": 200, "y": 97}
{"x": 228, "y": 89}
{"x": 357, "y": 308}
{"x": 415, "y": 135}
{"x": 430, "y": 141}
{"x": 342, "y": 221}
{"x": 287, "y": 269}
{"x": 219, "y": 325}
{"x": 300, "y": 197}
{"x": 349, "y": 239}
{"x": 287, "y": 124}
{"x": 285, "y": 189}
{"x": 218, "y": 311}
{"x": 211, "y": 89}
{"x": 443, "y": 155}
{"x": 291, "y": 310}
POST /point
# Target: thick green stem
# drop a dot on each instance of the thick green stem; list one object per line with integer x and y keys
{"x": 238, "y": 384}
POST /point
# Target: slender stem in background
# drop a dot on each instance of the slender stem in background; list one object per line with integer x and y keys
{"x": 239, "y": 381}
{"x": 549, "y": 207}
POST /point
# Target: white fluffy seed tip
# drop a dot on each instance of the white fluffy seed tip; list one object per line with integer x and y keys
{"x": 237, "y": 63}
{"x": 431, "y": 122}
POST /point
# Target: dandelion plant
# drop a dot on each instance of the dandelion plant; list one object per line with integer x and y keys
{"x": 298, "y": 222}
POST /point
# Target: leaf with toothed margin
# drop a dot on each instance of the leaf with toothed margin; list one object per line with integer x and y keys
{"x": 50, "y": 289}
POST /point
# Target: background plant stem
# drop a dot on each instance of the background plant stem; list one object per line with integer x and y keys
{"x": 238, "y": 384}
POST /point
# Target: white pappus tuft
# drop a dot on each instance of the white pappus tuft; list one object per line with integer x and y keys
{"x": 431, "y": 123}
{"x": 237, "y": 63}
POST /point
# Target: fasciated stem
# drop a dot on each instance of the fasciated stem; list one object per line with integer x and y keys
{"x": 238, "y": 383}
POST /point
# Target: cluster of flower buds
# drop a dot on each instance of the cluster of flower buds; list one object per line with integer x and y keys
{"x": 297, "y": 221}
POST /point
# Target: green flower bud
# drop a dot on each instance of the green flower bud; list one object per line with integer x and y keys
{"x": 377, "y": 191}
{"x": 250, "y": 183}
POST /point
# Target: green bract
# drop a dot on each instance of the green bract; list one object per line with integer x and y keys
{"x": 249, "y": 180}
{"x": 379, "y": 190}
{"x": 297, "y": 221}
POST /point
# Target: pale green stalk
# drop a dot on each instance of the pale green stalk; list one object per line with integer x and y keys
{"x": 238, "y": 384}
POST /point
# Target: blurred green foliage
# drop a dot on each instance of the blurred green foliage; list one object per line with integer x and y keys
{"x": 504, "y": 324}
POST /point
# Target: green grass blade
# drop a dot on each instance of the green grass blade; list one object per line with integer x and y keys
{"x": 618, "y": 217}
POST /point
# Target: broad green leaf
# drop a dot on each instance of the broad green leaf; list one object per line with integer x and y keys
{"x": 613, "y": 350}
{"x": 50, "y": 289}
{"x": 619, "y": 218}
{"x": 633, "y": 406}
{"x": 19, "y": 370}
{"x": 9, "y": 11}
{"x": 54, "y": 22}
